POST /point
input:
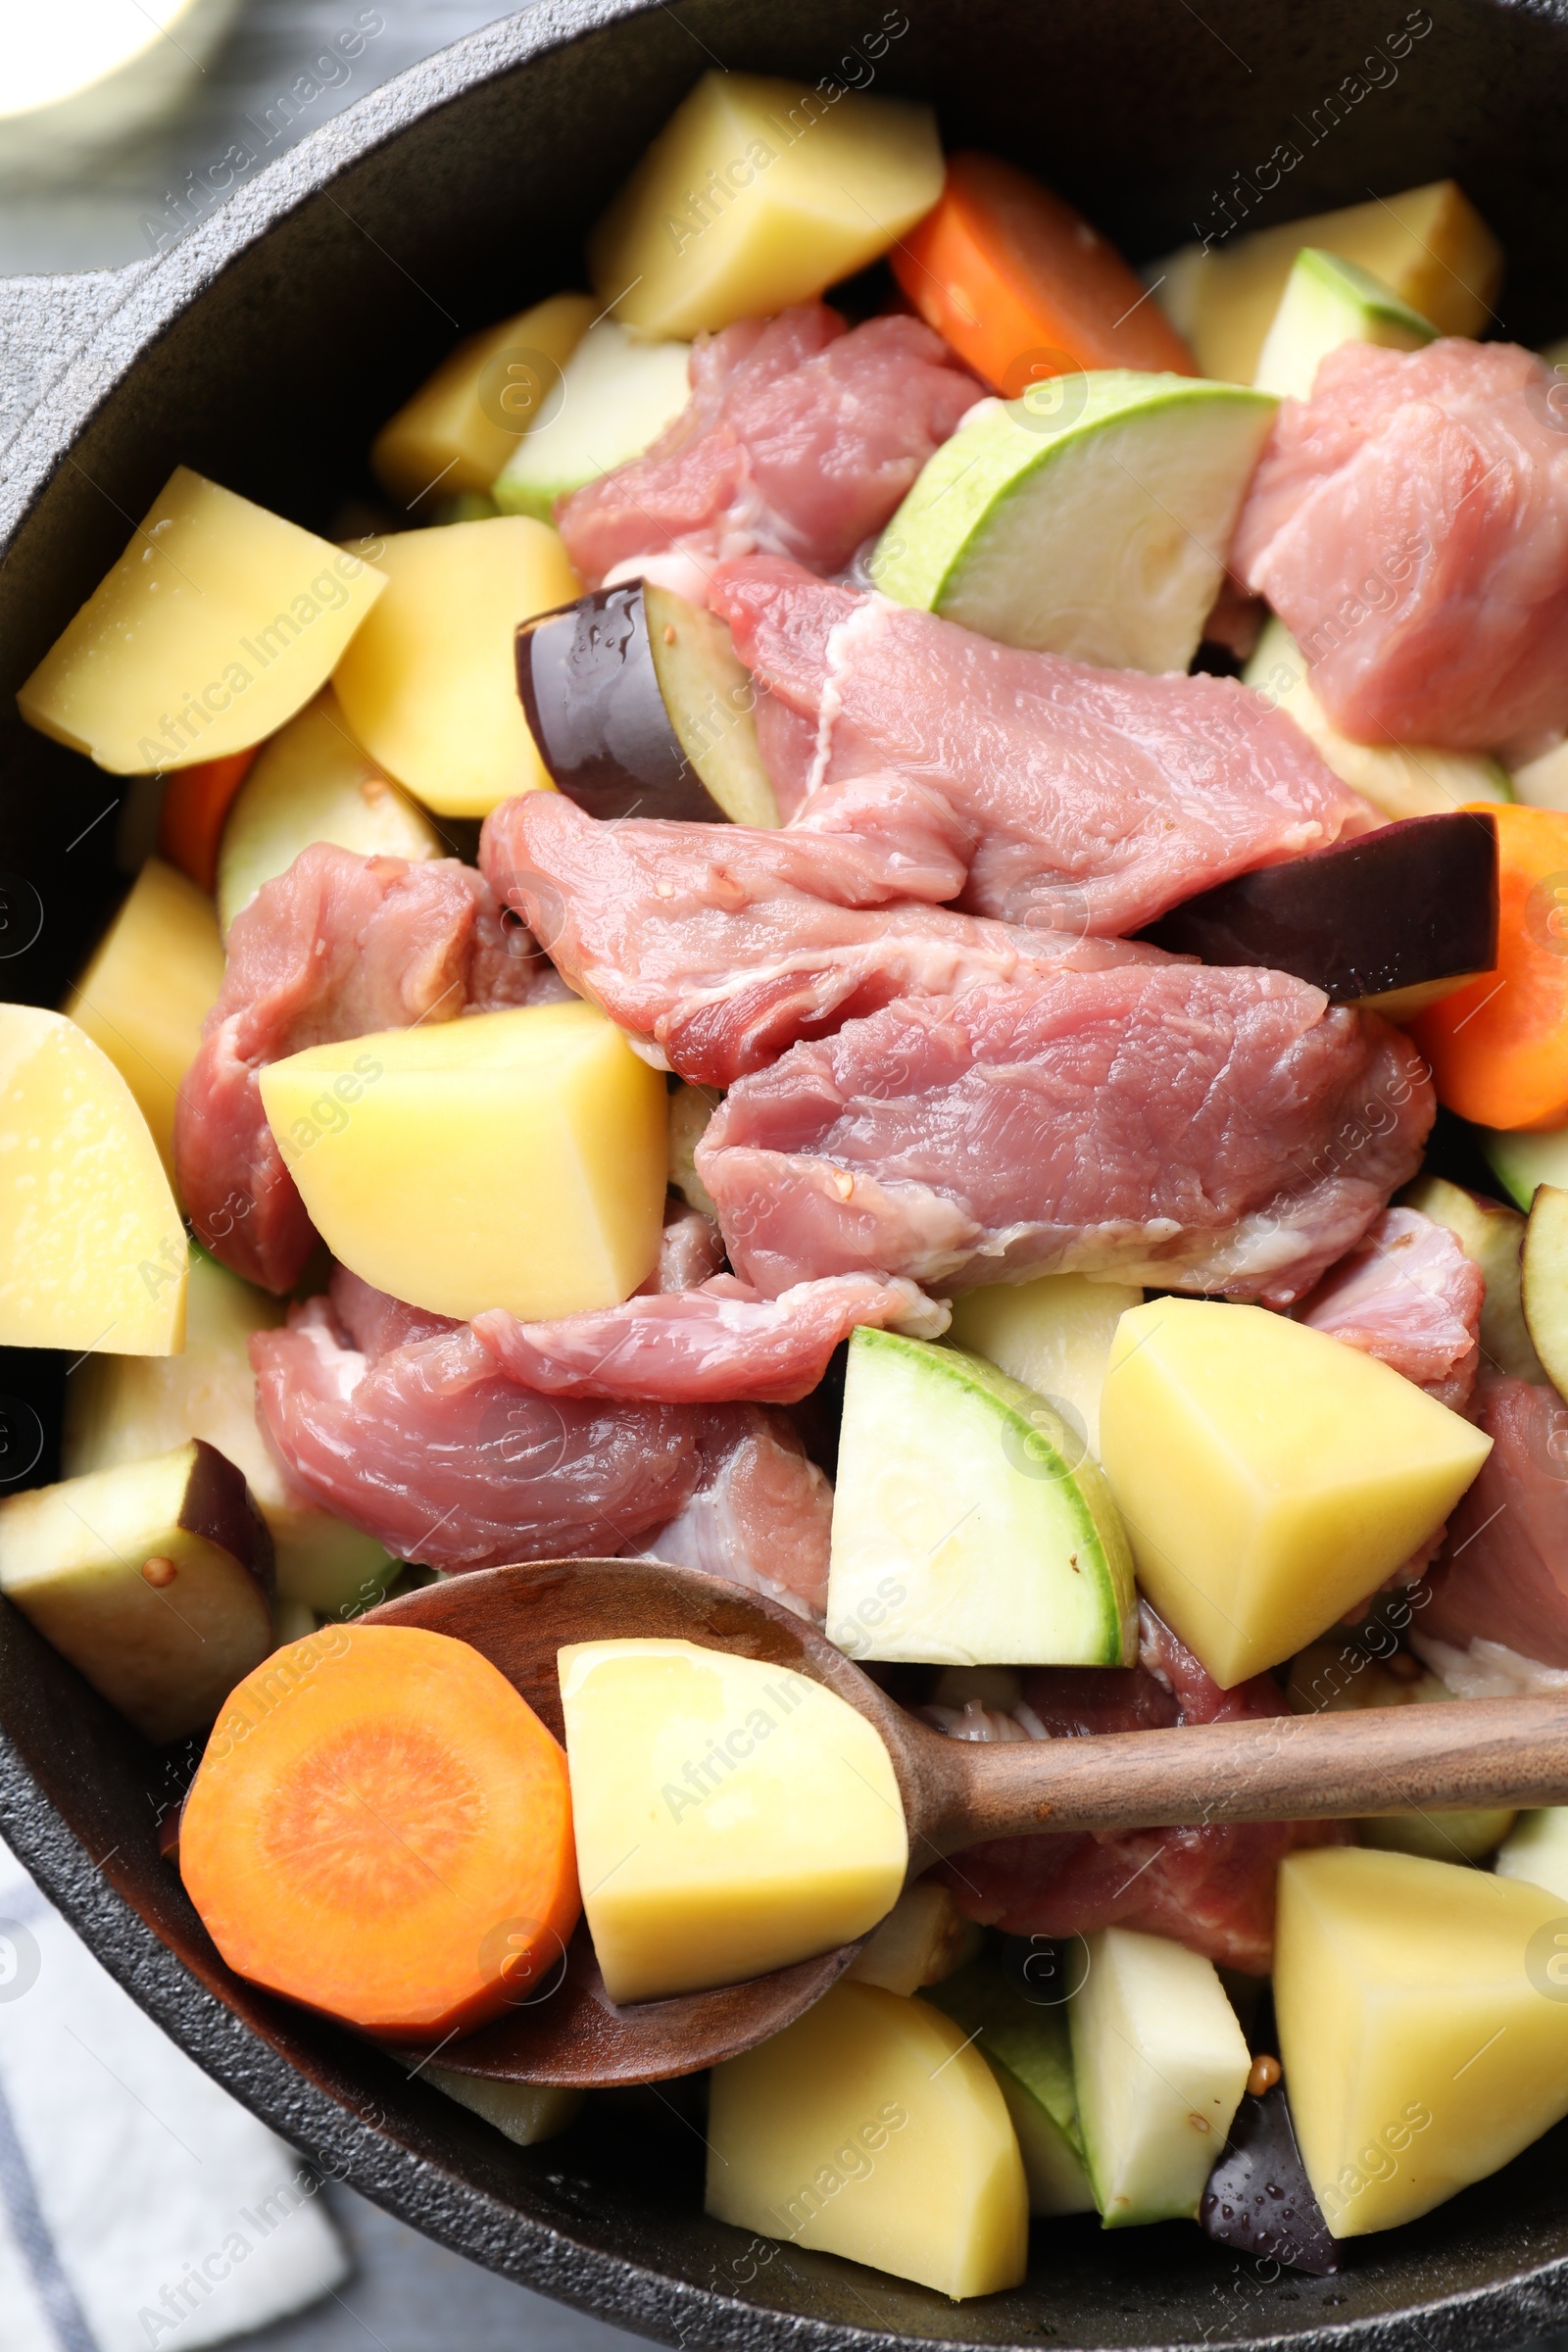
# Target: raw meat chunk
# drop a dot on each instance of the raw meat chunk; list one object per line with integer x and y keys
{"x": 1408, "y": 1295}
{"x": 1189, "y": 1126}
{"x": 1409, "y": 523}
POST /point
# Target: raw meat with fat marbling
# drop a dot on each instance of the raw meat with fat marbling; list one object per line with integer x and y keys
{"x": 1409, "y": 523}
{"x": 716, "y": 1344}
{"x": 798, "y": 437}
{"x": 1195, "y": 1127}
{"x": 1210, "y": 1888}
{"x": 338, "y": 946}
{"x": 1408, "y": 1294}
{"x": 1098, "y": 798}
{"x": 401, "y": 1424}
{"x": 717, "y": 946}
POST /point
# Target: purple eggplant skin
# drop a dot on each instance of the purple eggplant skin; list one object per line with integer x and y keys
{"x": 1414, "y": 901}
{"x": 217, "y": 1504}
{"x": 590, "y": 694}
{"x": 1258, "y": 2198}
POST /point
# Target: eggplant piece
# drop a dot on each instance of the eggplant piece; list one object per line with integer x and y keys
{"x": 1258, "y": 2198}
{"x": 154, "y": 1579}
{"x": 638, "y": 705}
{"x": 1412, "y": 907}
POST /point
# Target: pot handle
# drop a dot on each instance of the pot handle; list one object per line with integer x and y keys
{"x": 44, "y": 323}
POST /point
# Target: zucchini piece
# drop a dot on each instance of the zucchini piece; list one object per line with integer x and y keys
{"x": 612, "y": 398}
{"x": 1027, "y": 2049}
{"x": 970, "y": 1528}
{"x": 1328, "y": 301}
{"x": 1091, "y": 517}
{"x": 1160, "y": 2063}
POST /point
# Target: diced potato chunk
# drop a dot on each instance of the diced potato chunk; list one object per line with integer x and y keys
{"x": 92, "y": 1251}
{"x": 1053, "y": 1333}
{"x": 870, "y": 2129}
{"x": 1429, "y": 245}
{"x": 1160, "y": 2062}
{"x": 1423, "y": 2026}
{"x": 432, "y": 688}
{"x": 463, "y": 423}
{"x": 512, "y": 1160}
{"x": 149, "y": 987}
{"x": 217, "y": 624}
{"x": 759, "y": 193}
{"x": 312, "y": 782}
{"x": 731, "y": 1816}
{"x": 1268, "y": 1476}
{"x": 122, "y": 1409}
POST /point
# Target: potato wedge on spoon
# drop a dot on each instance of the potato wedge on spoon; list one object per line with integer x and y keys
{"x": 954, "y": 1792}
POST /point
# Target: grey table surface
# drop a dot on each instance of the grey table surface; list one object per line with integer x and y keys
{"x": 407, "y": 2294}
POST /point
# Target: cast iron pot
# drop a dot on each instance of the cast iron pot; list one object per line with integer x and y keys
{"x": 263, "y": 348}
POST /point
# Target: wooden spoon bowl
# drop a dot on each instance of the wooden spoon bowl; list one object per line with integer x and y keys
{"x": 1480, "y": 1752}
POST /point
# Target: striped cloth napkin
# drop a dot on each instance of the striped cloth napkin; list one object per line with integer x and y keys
{"x": 141, "y": 2209}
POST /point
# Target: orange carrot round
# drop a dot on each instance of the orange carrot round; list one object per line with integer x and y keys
{"x": 1499, "y": 1046}
{"x": 196, "y": 802}
{"x": 381, "y": 1827}
{"x": 1023, "y": 288}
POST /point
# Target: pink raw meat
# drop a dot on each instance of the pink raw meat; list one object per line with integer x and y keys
{"x": 787, "y": 744}
{"x": 762, "y": 1515}
{"x": 716, "y": 1345}
{"x": 1191, "y": 1126}
{"x": 797, "y": 438}
{"x": 691, "y": 1251}
{"x": 1502, "y": 1574}
{"x": 1409, "y": 523}
{"x": 720, "y": 945}
{"x": 1212, "y": 1888}
{"x": 1098, "y": 798}
{"x": 1408, "y": 1295}
{"x": 426, "y": 1446}
{"x": 338, "y": 946}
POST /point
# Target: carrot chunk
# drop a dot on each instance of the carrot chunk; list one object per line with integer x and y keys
{"x": 1023, "y": 288}
{"x": 381, "y": 1827}
{"x": 196, "y": 801}
{"x": 1499, "y": 1046}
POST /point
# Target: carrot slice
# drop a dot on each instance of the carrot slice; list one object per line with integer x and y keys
{"x": 196, "y": 801}
{"x": 1023, "y": 288}
{"x": 1499, "y": 1046}
{"x": 381, "y": 1827}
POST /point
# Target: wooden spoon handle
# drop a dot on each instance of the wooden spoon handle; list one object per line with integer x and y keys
{"x": 1476, "y": 1753}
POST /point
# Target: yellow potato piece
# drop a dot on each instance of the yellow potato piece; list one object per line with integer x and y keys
{"x": 1428, "y": 244}
{"x": 512, "y": 1160}
{"x": 1268, "y": 1475}
{"x": 312, "y": 782}
{"x": 92, "y": 1251}
{"x": 731, "y": 1816}
{"x": 1423, "y": 2022}
{"x": 216, "y": 624}
{"x": 870, "y": 2129}
{"x": 759, "y": 193}
{"x": 463, "y": 423}
{"x": 149, "y": 987}
{"x": 430, "y": 689}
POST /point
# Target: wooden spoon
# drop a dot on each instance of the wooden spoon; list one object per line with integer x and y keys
{"x": 1483, "y": 1753}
